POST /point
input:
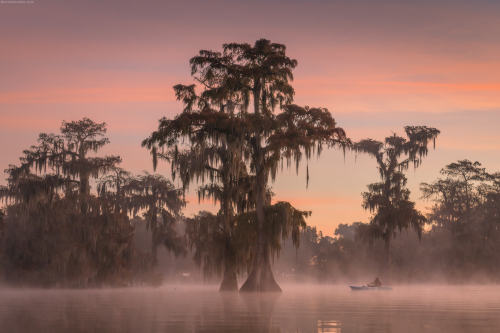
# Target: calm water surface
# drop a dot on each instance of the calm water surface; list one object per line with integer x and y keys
{"x": 298, "y": 309}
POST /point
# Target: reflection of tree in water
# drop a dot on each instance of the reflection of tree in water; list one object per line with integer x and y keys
{"x": 240, "y": 313}
{"x": 260, "y": 309}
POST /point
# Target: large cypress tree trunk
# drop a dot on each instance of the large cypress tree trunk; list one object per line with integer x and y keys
{"x": 229, "y": 280}
{"x": 261, "y": 278}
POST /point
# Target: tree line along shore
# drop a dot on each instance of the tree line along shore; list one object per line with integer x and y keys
{"x": 74, "y": 218}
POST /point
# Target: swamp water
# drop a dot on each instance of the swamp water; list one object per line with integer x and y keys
{"x": 300, "y": 308}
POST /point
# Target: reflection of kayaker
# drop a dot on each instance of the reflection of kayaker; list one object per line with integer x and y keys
{"x": 375, "y": 283}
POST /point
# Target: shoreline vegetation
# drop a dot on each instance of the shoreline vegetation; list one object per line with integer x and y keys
{"x": 73, "y": 218}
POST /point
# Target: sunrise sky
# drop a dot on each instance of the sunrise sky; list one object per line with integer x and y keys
{"x": 376, "y": 65}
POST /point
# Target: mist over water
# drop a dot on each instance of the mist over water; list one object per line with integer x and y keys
{"x": 300, "y": 308}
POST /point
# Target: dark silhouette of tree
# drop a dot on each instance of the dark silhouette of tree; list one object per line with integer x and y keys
{"x": 208, "y": 239}
{"x": 282, "y": 221}
{"x": 457, "y": 193}
{"x": 82, "y": 137}
{"x": 229, "y": 186}
{"x": 215, "y": 159}
{"x": 67, "y": 155}
{"x": 162, "y": 204}
{"x": 154, "y": 196}
{"x": 276, "y": 138}
{"x": 466, "y": 216}
{"x": 390, "y": 199}
{"x": 491, "y": 222}
{"x": 62, "y": 162}
{"x": 260, "y": 73}
{"x": 111, "y": 186}
{"x": 56, "y": 230}
{"x": 216, "y": 250}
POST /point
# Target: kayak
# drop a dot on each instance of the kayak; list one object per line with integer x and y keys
{"x": 358, "y": 288}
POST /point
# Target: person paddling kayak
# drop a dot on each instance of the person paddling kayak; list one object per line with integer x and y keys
{"x": 375, "y": 283}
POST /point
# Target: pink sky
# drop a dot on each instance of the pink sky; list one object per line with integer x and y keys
{"x": 376, "y": 66}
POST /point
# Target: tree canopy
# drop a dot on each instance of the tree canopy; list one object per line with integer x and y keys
{"x": 250, "y": 146}
{"x": 389, "y": 199}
